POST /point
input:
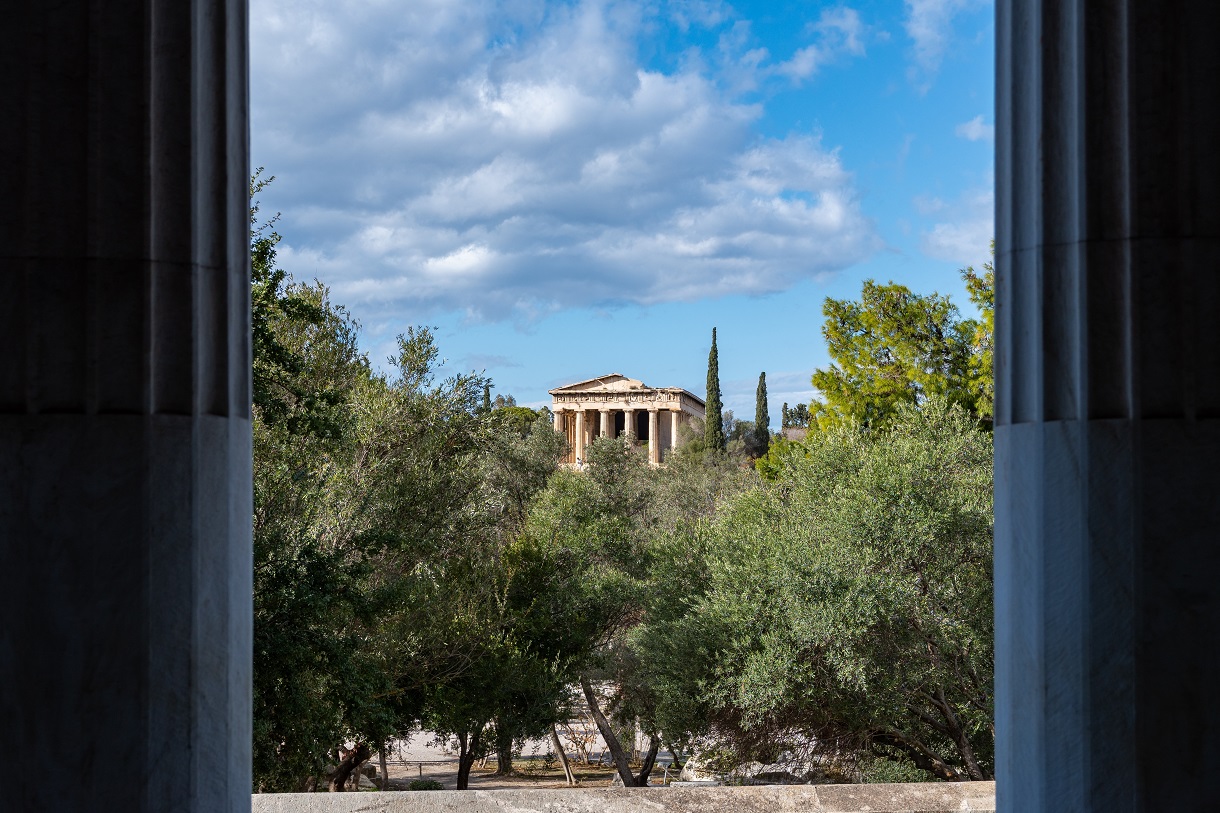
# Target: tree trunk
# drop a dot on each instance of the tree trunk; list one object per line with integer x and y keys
{"x": 469, "y": 749}
{"x": 673, "y": 754}
{"x": 603, "y": 725}
{"x": 504, "y": 754}
{"x": 924, "y": 757}
{"x": 348, "y": 764}
{"x": 650, "y": 759}
{"x": 957, "y": 732}
{"x": 385, "y": 774}
{"x": 563, "y": 756}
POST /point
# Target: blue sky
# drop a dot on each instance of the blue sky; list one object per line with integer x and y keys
{"x": 568, "y": 189}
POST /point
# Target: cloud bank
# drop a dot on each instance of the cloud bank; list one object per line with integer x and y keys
{"x": 517, "y": 157}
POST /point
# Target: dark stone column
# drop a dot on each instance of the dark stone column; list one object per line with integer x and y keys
{"x": 1108, "y": 394}
{"x": 125, "y": 598}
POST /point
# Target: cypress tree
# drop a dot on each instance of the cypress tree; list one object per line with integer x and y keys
{"x": 762, "y": 420}
{"x": 487, "y": 397}
{"x": 784, "y": 417}
{"x": 713, "y": 432}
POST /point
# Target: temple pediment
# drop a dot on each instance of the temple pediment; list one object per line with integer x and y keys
{"x": 614, "y": 382}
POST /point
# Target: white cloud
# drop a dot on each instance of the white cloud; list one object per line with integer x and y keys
{"x": 838, "y": 32}
{"x": 514, "y": 158}
{"x": 929, "y": 24}
{"x": 966, "y": 238}
{"x": 975, "y": 129}
{"x": 702, "y": 13}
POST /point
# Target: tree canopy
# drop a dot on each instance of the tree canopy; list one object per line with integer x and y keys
{"x": 843, "y": 610}
{"x": 896, "y": 347}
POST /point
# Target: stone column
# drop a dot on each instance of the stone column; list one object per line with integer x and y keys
{"x": 629, "y": 422}
{"x": 654, "y": 437}
{"x": 673, "y": 428}
{"x": 558, "y": 415}
{"x": 604, "y": 423}
{"x": 125, "y": 488}
{"x": 580, "y": 436}
{"x": 1107, "y": 399}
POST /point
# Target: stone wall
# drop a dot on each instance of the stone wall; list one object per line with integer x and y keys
{"x": 915, "y": 798}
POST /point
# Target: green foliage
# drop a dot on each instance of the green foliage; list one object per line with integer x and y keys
{"x": 425, "y": 784}
{"x": 370, "y": 525}
{"x": 518, "y": 418}
{"x": 981, "y": 289}
{"x": 845, "y": 606}
{"x": 798, "y": 416}
{"x": 761, "y": 438}
{"x": 891, "y": 348}
{"x": 713, "y": 426}
{"x": 284, "y": 392}
{"x": 778, "y": 458}
{"x": 308, "y": 597}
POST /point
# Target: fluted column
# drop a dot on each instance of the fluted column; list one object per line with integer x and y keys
{"x": 629, "y": 422}
{"x": 604, "y": 423}
{"x": 654, "y": 438}
{"x": 1107, "y": 399}
{"x": 673, "y": 428}
{"x": 125, "y": 488}
{"x": 557, "y": 417}
{"x": 580, "y": 436}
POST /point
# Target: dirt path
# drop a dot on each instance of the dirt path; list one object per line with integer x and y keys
{"x": 530, "y": 774}
{"x": 422, "y": 757}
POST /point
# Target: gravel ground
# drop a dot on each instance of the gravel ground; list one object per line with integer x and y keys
{"x": 422, "y": 758}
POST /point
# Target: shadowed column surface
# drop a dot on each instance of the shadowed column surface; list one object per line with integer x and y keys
{"x": 125, "y": 405}
{"x": 1107, "y": 399}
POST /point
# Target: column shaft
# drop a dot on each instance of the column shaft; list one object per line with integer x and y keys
{"x": 673, "y": 428}
{"x": 125, "y": 493}
{"x": 654, "y": 438}
{"x": 604, "y": 423}
{"x": 1107, "y": 399}
{"x": 629, "y": 423}
{"x": 580, "y": 436}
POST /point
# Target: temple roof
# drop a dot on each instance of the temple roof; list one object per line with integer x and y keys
{"x": 617, "y": 383}
{"x": 613, "y": 382}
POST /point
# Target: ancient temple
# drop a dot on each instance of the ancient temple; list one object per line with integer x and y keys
{"x": 614, "y": 404}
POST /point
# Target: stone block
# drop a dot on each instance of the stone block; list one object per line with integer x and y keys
{"x": 930, "y": 797}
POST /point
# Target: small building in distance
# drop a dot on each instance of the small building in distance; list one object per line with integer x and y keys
{"x": 614, "y": 404}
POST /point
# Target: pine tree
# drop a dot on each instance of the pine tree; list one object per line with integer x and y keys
{"x": 784, "y": 417}
{"x": 762, "y": 420}
{"x": 713, "y": 432}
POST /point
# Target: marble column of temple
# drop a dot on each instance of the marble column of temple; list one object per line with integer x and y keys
{"x": 629, "y": 421}
{"x": 654, "y": 437}
{"x": 604, "y": 427}
{"x": 1107, "y": 412}
{"x": 125, "y": 489}
{"x": 580, "y": 435}
{"x": 673, "y": 428}
{"x": 558, "y": 417}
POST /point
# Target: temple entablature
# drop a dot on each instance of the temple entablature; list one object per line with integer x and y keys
{"x": 613, "y": 405}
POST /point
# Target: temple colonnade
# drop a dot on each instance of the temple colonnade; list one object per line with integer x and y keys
{"x": 583, "y": 425}
{"x": 614, "y": 405}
